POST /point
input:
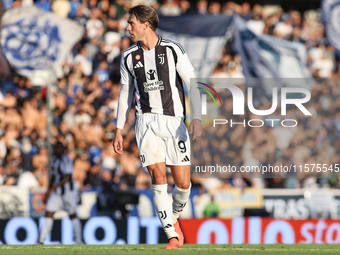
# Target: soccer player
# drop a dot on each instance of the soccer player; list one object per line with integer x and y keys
{"x": 4, "y": 67}
{"x": 156, "y": 68}
{"x": 61, "y": 194}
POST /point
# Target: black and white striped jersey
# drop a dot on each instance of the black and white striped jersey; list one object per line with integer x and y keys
{"x": 60, "y": 168}
{"x": 155, "y": 76}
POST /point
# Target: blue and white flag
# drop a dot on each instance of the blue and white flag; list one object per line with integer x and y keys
{"x": 34, "y": 40}
{"x": 202, "y": 37}
{"x": 267, "y": 56}
{"x": 330, "y": 15}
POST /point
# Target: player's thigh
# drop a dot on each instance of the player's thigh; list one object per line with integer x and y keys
{"x": 54, "y": 203}
{"x": 178, "y": 144}
{"x": 150, "y": 145}
{"x": 70, "y": 202}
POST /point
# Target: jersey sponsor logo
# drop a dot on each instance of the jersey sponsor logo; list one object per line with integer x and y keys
{"x": 161, "y": 58}
{"x": 152, "y": 86}
{"x": 151, "y": 74}
{"x": 138, "y": 65}
{"x": 186, "y": 159}
{"x": 137, "y": 57}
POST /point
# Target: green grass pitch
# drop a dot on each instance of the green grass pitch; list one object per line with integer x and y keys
{"x": 187, "y": 249}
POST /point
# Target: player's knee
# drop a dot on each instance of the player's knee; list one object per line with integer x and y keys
{"x": 72, "y": 216}
{"x": 159, "y": 179}
{"x": 184, "y": 185}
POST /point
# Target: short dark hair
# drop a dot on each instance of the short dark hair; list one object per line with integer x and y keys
{"x": 144, "y": 14}
{"x": 59, "y": 145}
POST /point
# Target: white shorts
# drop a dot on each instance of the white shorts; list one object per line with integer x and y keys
{"x": 66, "y": 202}
{"x": 162, "y": 138}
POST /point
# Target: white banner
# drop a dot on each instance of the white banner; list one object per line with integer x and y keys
{"x": 14, "y": 201}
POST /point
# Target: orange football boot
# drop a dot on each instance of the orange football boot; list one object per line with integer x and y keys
{"x": 173, "y": 244}
{"x": 180, "y": 234}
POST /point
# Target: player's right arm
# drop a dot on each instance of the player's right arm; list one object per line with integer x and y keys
{"x": 124, "y": 103}
{"x": 186, "y": 72}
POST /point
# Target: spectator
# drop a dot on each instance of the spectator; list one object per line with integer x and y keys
{"x": 211, "y": 209}
{"x": 184, "y": 5}
{"x": 93, "y": 179}
{"x": 40, "y": 159}
{"x": 61, "y": 8}
{"x": 112, "y": 20}
{"x": 256, "y": 24}
{"x": 85, "y": 102}
{"x": 214, "y": 8}
{"x": 94, "y": 26}
{"x": 92, "y": 48}
{"x": 74, "y": 4}
{"x": 28, "y": 179}
{"x": 202, "y": 7}
{"x": 104, "y": 6}
{"x": 44, "y": 5}
{"x": 85, "y": 62}
{"x": 102, "y": 72}
{"x": 245, "y": 11}
{"x": 284, "y": 28}
{"x": 119, "y": 4}
{"x": 170, "y": 8}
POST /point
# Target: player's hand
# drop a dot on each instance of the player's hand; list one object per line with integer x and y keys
{"x": 118, "y": 143}
{"x": 195, "y": 128}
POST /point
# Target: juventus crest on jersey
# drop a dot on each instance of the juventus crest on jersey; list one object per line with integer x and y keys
{"x": 155, "y": 75}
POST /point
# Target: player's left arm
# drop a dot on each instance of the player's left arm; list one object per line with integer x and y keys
{"x": 53, "y": 188}
{"x": 63, "y": 181}
{"x": 186, "y": 71}
{"x": 195, "y": 127}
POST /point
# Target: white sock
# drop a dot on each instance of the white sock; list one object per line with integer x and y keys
{"x": 77, "y": 230}
{"x": 180, "y": 198}
{"x": 46, "y": 229}
{"x": 163, "y": 208}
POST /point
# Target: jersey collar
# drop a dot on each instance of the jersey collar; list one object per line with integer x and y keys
{"x": 158, "y": 42}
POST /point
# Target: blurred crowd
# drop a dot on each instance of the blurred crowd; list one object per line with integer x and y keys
{"x": 314, "y": 141}
{"x": 86, "y": 95}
